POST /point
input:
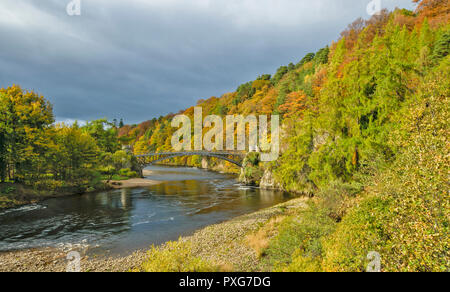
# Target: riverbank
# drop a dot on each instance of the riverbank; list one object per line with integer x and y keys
{"x": 13, "y": 195}
{"x": 134, "y": 182}
{"x": 226, "y": 245}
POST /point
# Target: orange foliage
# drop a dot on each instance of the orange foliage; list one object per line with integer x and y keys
{"x": 267, "y": 103}
{"x": 352, "y": 32}
{"x": 124, "y": 131}
{"x": 437, "y": 11}
{"x": 295, "y": 103}
{"x": 319, "y": 79}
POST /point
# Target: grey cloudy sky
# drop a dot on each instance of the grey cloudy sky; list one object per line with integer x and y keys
{"x": 137, "y": 59}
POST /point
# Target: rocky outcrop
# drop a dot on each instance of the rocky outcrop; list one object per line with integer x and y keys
{"x": 268, "y": 181}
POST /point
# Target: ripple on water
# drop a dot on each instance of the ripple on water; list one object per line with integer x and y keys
{"x": 23, "y": 209}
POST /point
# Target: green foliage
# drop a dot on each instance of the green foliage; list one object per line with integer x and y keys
{"x": 105, "y": 133}
{"x": 244, "y": 91}
{"x": 293, "y": 170}
{"x": 251, "y": 173}
{"x": 299, "y": 239}
{"x": 45, "y": 156}
{"x": 321, "y": 56}
{"x": 73, "y": 154}
{"x": 406, "y": 217}
{"x": 442, "y": 47}
{"x": 253, "y": 158}
{"x": 24, "y": 118}
{"x": 338, "y": 197}
{"x": 279, "y": 74}
{"x": 361, "y": 231}
{"x": 128, "y": 173}
{"x": 175, "y": 257}
{"x": 308, "y": 58}
{"x": 264, "y": 77}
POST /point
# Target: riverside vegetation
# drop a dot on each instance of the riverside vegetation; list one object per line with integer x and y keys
{"x": 40, "y": 159}
{"x": 365, "y": 135}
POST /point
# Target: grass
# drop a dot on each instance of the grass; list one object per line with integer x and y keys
{"x": 260, "y": 240}
{"x": 175, "y": 257}
{"x": 299, "y": 236}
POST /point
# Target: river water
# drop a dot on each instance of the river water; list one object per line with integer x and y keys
{"x": 118, "y": 222}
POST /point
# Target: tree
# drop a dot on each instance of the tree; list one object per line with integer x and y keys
{"x": 104, "y": 133}
{"x": 442, "y": 47}
{"x": 437, "y": 11}
{"x": 2, "y": 156}
{"x": 279, "y": 75}
{"x": 74, "y": 154}
{"x": 308, "y": 58}
{"x": 321, "y": 56}
{"x": 23, "y": 118}
{"x": 295, "y": 104}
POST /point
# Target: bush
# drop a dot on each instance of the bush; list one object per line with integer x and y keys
{"x": 361, "y": 231}
{"x": 49, "y": 185}
{"x": 253, "y": 158}
{"x": 175, "y": 257}
{"x": 338, "y": 197}
{"x": 299, "y": 240}
{"x": 127, "y": 172}
{"x": 8, "y": 190}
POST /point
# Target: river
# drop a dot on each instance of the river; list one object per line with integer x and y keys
{"x": 118, "y": 222}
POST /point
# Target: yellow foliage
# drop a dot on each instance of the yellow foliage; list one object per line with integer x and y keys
{"x": 175, "y": 257}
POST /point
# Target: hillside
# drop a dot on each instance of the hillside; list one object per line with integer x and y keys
{"x": 365, "y": 131}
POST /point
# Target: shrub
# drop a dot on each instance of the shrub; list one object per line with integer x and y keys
{"x": 338, "y": 197}
{"x": 361, "y": 231}
{"x": 300, "y": 237}
{"x": 49, "y": 185}
{"x": 175, "y": 257}
{"x": 260, "y": 240}
{"x": 253, "y": 158}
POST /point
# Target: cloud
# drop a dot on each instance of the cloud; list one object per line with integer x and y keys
{"x": 138, "y": 59}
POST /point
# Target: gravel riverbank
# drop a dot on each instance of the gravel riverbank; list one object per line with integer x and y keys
{"x": 223, "y": 243}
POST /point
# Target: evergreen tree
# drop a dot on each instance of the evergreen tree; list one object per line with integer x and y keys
{"x": 442, "y": 47}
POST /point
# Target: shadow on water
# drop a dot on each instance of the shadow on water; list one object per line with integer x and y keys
{"x": 120, "y": 221}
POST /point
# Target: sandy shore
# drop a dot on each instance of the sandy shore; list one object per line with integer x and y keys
{"x": 134, "y": 182}
{"x": 223, "y": 243}
{"x": 147, "y": 172}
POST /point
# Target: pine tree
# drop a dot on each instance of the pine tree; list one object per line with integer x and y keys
{"x": 442, "y": 47}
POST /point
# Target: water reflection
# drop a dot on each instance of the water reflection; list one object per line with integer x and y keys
{"x": 120, "y": 221}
